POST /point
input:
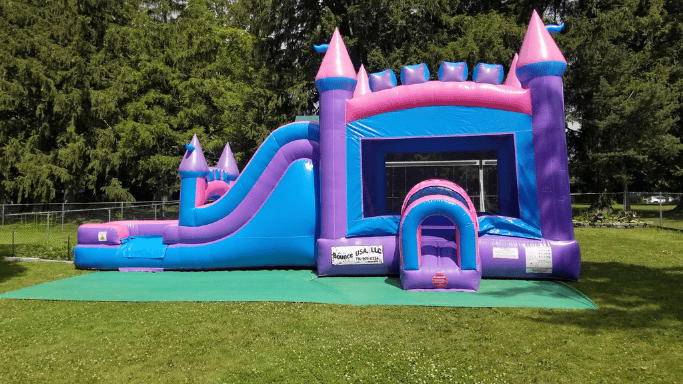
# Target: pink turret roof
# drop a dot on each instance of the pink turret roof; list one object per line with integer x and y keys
{"x": 363, "y": 85}
{"x": 336, "y": 62}
{"x": 512, "y": 79}
{"x": 538, "y": 46}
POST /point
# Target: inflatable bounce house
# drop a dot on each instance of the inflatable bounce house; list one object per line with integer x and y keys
{"x": 314, "y": 194}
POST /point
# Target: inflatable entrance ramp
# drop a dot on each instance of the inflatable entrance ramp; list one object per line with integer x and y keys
{"x": 435, "y": 256}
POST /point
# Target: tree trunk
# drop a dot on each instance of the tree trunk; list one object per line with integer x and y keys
{"x": 627, "y": 203}
{"x": 679, "y": 206}
{"x": 603, "y": 204}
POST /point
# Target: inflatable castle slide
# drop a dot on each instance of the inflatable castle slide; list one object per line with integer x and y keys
{"x": 314, "y": 195}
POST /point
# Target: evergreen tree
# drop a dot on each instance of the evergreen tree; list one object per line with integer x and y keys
{"x": 285, "y": 32}
{"x": 97, "y": 97}
{"x": 47, "y": 80}
{"x": 623, "y": 87}
{"x": 182, "y": 71}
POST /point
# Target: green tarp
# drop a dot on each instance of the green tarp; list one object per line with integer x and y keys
{"x": 295, "y": 286}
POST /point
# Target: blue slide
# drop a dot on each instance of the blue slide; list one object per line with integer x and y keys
{"x": 269, "y": 217}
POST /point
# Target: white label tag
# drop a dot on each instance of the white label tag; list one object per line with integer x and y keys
{"x": 358, "y": 255}
{"x": 539, "y": 259}
{"x": 505, "y": 253}
{"x": 102, "y": 236}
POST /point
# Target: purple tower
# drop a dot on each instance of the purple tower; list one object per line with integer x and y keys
{"x": 193, "y": 171}
{"x": 540, "y": 68}
{"x": 336, "y": 81}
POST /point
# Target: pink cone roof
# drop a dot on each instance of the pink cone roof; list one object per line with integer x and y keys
{"x": 363, "y": 85}
{"x": 512, "y": 79}
{"x": 538, "y": 46}
{"x": 336, "y": 62}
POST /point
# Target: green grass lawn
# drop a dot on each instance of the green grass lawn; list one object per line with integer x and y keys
{"x": 635, "y": 276}
{"x": 31, "y": 240}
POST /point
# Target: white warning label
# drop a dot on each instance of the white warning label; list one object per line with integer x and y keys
{"x": 505, "y": 253}
{"x": 539, "y": 259}
{"x": 358, "y": 255}
{"x": 102, "y": 236}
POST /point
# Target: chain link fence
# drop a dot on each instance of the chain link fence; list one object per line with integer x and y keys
{"x": 633, "y": 198}
{"x": 656, "y": 208}
{"x": 50, "y": 230}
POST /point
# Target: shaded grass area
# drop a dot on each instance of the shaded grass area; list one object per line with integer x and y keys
{"x": 17, "y": 275}
{"x": 634, "y": 276}
{"x": 30, "y": 240}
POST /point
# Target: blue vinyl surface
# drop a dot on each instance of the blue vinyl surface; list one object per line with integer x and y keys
{"x": 282, "y": 233}
{"x": 256, "y": 166}
{"x": 476, "y": 129}
{"x": 437, "y": 205}
{"x": 543, "y": 68}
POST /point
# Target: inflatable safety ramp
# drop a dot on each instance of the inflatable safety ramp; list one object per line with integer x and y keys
{"x": 431, "y": 260}
{"x": 129, "y": 239}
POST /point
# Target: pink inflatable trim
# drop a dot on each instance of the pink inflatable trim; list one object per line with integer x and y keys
{"x": 447, "y": 184}
{"x": 363, "y": 84}
{"x": 119, "y": 228}
{"x": 336, "y": 62}
{"x": 143, "y": 222}
{"x": 201, "y": 190}
{"x": 512, "y": 79}
{"x": 439, "y": 183}
{"x": 419, "y": 228}
{"x": 216, "y": 188}
{"x": 437, "y": 93}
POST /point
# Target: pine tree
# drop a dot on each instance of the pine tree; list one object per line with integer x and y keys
{"x": 47, "y": 79}
{"x": 97, "y": 97}
{"x": 179, "y": 75}
{"x": 623, "y": 87}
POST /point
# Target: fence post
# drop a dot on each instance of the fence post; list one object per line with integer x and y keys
{"x": 68, "y": 247}
{"x": 62, "y": 215}
{"x": 48, "y": 226}
{"x": 3, "y": 215}
{"x": 661, "y": 222}
{"x": 155, "y": 211}
{"x": 13, "y": 244}
{"x": 122, "y": 210}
